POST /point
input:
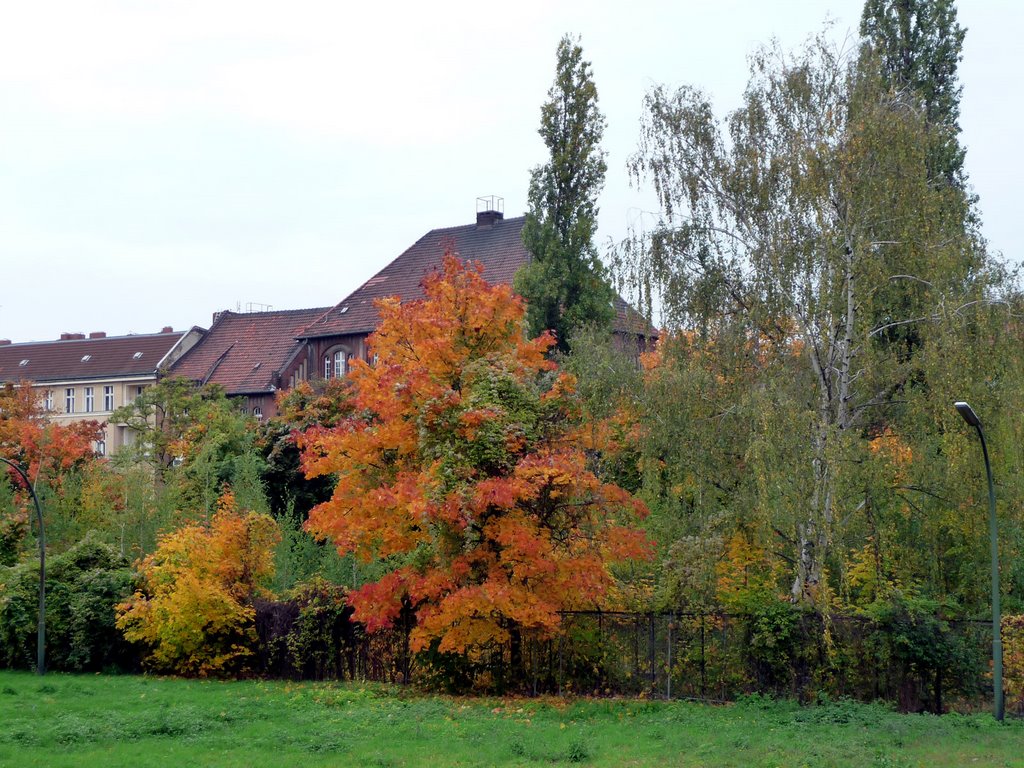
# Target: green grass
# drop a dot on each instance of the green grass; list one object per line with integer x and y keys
{"x": 82, "y": 721}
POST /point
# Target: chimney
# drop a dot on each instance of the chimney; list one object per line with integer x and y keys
{"x": 167, "y": 329}
{"x": 98, "y": 335}
{"x": 489, "y": 210}
{"x": 4, "y": 342}
{"x": 71, "y": 336}
{"x": 216, "y": 316}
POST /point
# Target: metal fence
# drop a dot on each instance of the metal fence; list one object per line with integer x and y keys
{"x": 705, "y": 656}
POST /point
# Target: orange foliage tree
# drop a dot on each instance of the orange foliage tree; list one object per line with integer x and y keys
{"x": 194, "y": 612}
{"x": 462, "y": 469}
{"x": 30, "y": 438}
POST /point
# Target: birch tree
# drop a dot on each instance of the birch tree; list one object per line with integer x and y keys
{"x": 791, "y": 228}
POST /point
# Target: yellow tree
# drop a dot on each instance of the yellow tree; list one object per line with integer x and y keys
{"x": 194, "y": 612}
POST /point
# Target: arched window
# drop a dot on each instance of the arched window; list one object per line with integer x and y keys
{"x": 336, "y": 363}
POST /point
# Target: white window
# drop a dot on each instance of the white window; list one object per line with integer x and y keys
{"x": 257, "y": 413}
{"x": 90, "y": 400}
{"x": 108, "y": 397}
{"x": 327, "y": 367}
{"x": 48, "y": 400}
{"x": 69, "y": 400}
{"x": 138, "y": 391}
{"x": 101, "y": 448}
{"x": 340, "y": 364}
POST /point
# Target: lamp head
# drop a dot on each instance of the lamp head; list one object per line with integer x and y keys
{"x": 968, "y": 414}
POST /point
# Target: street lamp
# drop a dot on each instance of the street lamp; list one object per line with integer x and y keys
{"x": 41, "y": 622}
{"x": 971, "y": 418}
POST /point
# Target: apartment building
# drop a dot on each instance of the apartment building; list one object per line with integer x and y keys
{"x": 83, "y": 378}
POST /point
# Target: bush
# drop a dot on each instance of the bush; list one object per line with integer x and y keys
{"x": 923, "y": 655}
{"x": 83, "y": 585}
{"x": 194, "y": 613}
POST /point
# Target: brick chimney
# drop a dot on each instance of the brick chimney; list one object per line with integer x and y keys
{"x": 72, "y": 336}
{"x": 98, "y": 335}
{"x": 489, "y": 210}
{"x": 167, "y": 329}
{"x": 4, "y": 342}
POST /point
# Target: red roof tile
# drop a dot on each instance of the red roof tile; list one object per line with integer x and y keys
{"x": 73, "y": 359}
{"x": 246, "y": 352}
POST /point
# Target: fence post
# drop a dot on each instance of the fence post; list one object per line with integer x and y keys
{"x": 668, "y": 656}
{"x": 703, "y": 663}
{"x": 652, "y": 662}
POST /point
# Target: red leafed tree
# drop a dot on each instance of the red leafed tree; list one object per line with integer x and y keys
{"x": 30, "y": 438}
{"x": 462, "y": 468}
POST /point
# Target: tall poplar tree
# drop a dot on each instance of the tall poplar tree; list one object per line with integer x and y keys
{"x": 918, "y": 44}
{"x": 565, "y": 284}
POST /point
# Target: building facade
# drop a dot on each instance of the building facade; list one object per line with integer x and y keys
{"x": 86, "y": 378}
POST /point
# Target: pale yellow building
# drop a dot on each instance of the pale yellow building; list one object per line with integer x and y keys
{"x": 82, "y": 378}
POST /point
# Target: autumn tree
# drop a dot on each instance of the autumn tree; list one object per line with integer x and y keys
{"x": 29, "y": 437}
{"x": 194, "y": 612}
{"x": 459, "y": 467}
{"x": 564, "y": 284}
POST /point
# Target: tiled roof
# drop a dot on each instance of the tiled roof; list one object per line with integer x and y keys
{"x": 245, "y": 352}
{"x": 498, "y": 247}
{"x": 105, "y": 357}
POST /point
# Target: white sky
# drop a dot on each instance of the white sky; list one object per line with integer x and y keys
{"x": 163, "y": 160}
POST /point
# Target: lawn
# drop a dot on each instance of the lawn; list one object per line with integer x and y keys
{"x": 110, "y": 721}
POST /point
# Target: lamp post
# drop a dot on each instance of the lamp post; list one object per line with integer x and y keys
{"x": 971, "y": 418}
{"x": 41, "y": 622}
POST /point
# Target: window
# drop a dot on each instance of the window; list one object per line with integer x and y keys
{"x": 336, "y": 364}
{"x": 101, "y": 448}
{"x": 86, "y": 358}
{"x": 90, "y": 400}
{"x": 257, "y": 413}
{"x": 69, "y": 400}
{"x": 108, "y": 397}
{"x": 340, "y": 364}
{"x": 138, "y": 391}
{"x": 48, "y": 400}
{"x": 137, "y": 356}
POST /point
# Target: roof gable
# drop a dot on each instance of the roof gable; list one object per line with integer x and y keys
{"x": 246, "y": 352}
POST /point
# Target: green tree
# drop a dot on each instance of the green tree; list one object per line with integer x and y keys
{"x": 775, "y": 255}
{"x": 565, "y": 285}
{"x": 918, "y": 45}
{"x": 198, "y": 440}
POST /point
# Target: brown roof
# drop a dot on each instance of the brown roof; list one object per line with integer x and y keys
{"x": 498, "y": 247}
{"x": 105, "y": 357}
{"x": 246, "y": 352}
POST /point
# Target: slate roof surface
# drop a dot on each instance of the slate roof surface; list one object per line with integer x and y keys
{"x": 498, "y": 247}
{"x": 106, "y": 357}
{"x": 245, "y": 352}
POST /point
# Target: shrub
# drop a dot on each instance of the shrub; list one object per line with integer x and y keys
{"x": 83, "y": 585}
{"x": 194, "y": 613}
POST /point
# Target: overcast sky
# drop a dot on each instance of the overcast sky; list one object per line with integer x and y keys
{"x": 161, "y": 161}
